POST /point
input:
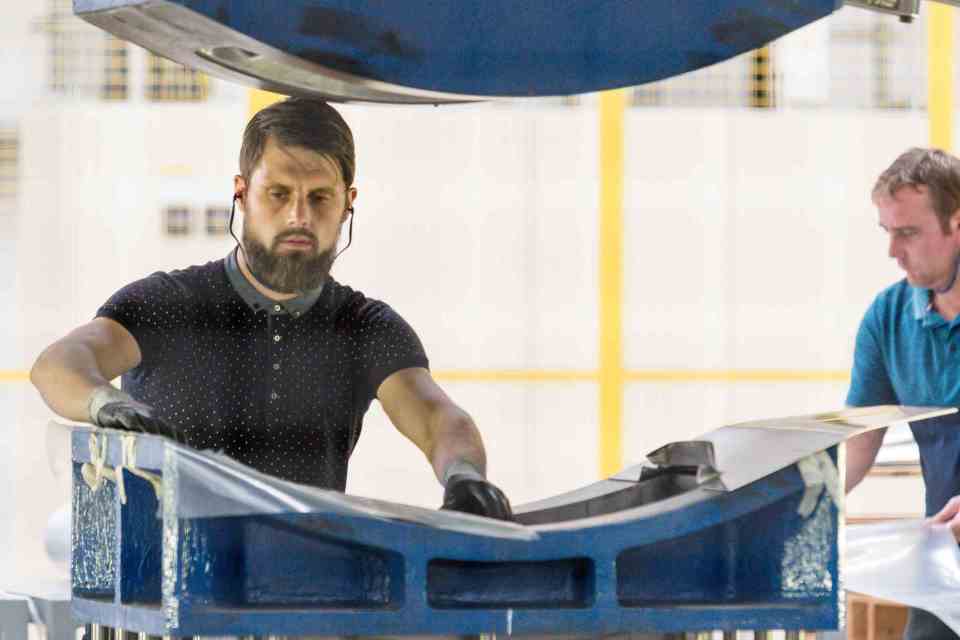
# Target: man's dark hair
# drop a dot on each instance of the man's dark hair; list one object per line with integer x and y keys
{"x": 934, "y": 169}
{"x": 299, "y": 122}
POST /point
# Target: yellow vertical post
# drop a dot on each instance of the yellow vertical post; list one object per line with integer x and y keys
{"x": 258, "y": 99}
{"x": 940, "y": 75}
{"x": 761, "y": 78}
{"x": 611, "y": 372}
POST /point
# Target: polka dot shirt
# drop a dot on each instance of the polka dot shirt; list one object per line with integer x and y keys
{"x": 282, "y": 387}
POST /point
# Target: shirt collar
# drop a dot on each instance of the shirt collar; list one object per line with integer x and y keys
{"x": 922, "y": 303}
{"x": 257, "y": 301}
{"x": 923, "y": 310}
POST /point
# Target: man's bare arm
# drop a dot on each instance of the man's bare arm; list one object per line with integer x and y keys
{"x": 421, "y": 411}
{"x": 70, "y": 369}
{"x": 861, "y": 452}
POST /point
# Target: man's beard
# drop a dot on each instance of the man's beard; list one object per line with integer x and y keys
{"x": 296, "y": 272}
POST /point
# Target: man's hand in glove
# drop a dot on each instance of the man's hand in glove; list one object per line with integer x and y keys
{"x": 114, "y": 409}
{"x": 468, "y": 491}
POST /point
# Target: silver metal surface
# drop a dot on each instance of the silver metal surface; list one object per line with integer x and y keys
{"x": 903, "y": 8}
{"x": 696, "y": 454}
{"x": 166, "y": 28}
{"x": 743, "y": 452}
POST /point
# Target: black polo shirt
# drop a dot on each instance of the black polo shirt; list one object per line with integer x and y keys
{"x": 280, "y": 386}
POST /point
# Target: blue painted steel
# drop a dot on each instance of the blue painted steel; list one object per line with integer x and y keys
{"x": 95, "y": 530}
{"x": 504, "y": 47}
{"x": 141, "y": 544}
{"x": 715, "y": 560}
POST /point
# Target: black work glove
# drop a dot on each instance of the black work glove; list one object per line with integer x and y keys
{"x": 114, "y": 409}
{"x": 477, "y": 496}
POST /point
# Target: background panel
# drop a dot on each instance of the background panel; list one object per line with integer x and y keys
{"x": 675, "y": 226}
{"x": 655, "y": 414}
{"x": 540, "y": 439}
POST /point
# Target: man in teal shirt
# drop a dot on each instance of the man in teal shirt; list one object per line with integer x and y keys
{"x": 908, "y": 346}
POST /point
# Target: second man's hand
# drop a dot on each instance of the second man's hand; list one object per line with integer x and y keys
{"x": 476, "y": 495}
{"x": 950, "y": 516}
{"x": 113, "y": 409}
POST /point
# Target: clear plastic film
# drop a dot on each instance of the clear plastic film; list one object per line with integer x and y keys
{"x": 206, "y": 484}
{"x": 909, "y": 561}
{"x": 210, "y": 485}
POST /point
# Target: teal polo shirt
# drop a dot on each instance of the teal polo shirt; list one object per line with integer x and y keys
{"x": 906, "y": 353}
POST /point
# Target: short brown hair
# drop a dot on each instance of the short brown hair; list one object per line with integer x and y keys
{"x": 934, "y": 169}
{"x": 299, "y": 122}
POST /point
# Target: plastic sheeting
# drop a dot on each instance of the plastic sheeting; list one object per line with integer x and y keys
{"x": 911, "y": 562}
{"x": 213, "y": 485}
{"x": 207, "y": 484}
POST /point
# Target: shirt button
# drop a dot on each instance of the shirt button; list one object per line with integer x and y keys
{"x": 276, "y": 338}
{"x": 277, "y": 307}
{"x": 276, "y": 366}
{"x": 273, "y": 395}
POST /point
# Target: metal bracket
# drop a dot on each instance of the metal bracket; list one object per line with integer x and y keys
{"x": 905, "y": 9}
{"x": 691, "y": 457}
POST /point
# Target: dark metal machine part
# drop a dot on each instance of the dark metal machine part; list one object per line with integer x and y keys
{"x": 418, "y": 51}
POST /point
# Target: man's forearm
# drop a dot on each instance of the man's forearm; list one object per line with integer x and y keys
{"x": 861, "y": 452}
{"x": 456, "y": 441}
{"x": 66, "y": 375}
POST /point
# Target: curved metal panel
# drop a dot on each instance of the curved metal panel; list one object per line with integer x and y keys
{"x": 702, "y": 535}
{"x": 422, "y": 50}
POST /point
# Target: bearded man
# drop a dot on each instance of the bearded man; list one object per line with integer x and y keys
{"x": 262, "y": 355}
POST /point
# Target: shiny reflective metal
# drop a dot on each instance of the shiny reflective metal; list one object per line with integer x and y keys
{"x": 186, "y": 36}
{"x": 693, "y": 456}
{"x": 736, "y": 457}
{"x": 902, "y": 8}
{"x": 441, "y": 52}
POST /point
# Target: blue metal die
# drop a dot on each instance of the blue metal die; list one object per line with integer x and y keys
{"x": 427, "y": 51}
{"x": 703, "y": 535}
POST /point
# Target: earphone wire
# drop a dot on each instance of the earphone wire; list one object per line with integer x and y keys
{"x": 349, "y": 235}
{"x": 233, "y": 210}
